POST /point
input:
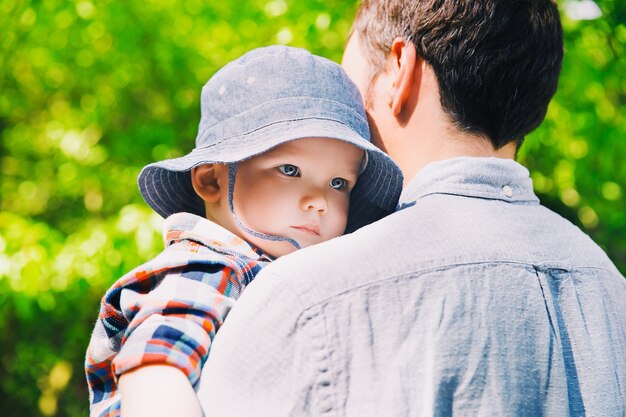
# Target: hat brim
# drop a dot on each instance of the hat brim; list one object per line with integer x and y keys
{"x": 166, "y": 185}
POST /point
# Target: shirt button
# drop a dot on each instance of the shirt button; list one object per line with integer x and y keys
{"x": 507, "y": 191}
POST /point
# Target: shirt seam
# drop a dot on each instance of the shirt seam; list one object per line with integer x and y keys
{"x": 299, "y": 320}
{"x": 531, "y": 267}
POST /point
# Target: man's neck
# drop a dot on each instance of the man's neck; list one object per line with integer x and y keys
{"x": 412, "y": 156}
{"x": 427, "y": 136}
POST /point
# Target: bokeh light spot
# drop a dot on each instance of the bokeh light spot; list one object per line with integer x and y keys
{"x": 28, "y": 18}
{"x": 48, "y": 404}
{"x": 588, "y": 217}
{"x": 275, "y": 8}
{"x": 578, "y": 149}
{"x": 284, "y": 36}
{"x": 323, "y": 21}
{"x": 85, "y": 9}
{"x": 611, "y": 191}
{"x": 570, "y": 197}
{"x": 60, "y": 375}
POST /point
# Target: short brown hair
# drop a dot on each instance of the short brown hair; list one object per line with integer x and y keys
{"x": 497, "y": 61}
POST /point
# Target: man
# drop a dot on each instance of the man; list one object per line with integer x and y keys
{"x": 472, "y": 299}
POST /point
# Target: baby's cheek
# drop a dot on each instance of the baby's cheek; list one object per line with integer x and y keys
{"x": 340, "y": 217}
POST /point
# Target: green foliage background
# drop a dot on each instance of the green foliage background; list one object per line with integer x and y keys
{"x": 90, "y": 91}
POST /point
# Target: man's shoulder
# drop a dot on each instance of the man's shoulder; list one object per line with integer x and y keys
{"x": 329, "y": 268}
{"x": 436, "y": 235}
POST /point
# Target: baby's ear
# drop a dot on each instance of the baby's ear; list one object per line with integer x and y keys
{"x": 204, "y": 179}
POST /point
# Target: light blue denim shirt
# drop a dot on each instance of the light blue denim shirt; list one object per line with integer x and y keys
{"x": 472, "y": 300}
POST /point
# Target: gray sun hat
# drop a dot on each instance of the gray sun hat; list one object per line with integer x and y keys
{"x": 267, "y": 97}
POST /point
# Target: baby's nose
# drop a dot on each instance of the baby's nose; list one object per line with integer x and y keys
{"x": 315, "y": 201}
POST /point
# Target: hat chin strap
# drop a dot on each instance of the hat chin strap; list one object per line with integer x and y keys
{"x": 232, "y": 173}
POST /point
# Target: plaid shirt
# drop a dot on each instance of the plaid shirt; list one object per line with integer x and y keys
{"x": 168, "y": 310}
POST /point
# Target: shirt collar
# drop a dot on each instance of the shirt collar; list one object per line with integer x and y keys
{"x": 186, "y": 226}
{"x": 490, "y": 178}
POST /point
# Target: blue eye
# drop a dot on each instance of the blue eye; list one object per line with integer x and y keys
{"x": 289, "y": 170}
{"x": 338, "y": 184}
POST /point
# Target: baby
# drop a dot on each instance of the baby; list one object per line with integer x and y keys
{"x": 282, "y": 161}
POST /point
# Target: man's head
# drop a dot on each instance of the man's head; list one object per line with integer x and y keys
{"x": 497, "y": 62}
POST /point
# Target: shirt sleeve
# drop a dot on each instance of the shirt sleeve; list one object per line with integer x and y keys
{"x": 175, "y": 322}
{"x": 167, "y": 316}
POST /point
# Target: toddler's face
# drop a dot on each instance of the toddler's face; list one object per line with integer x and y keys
{"x": 299, "y": 190}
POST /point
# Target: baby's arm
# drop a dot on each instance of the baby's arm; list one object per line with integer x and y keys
{"x": 166, "y": 317}
{"x": 158, "y": 390}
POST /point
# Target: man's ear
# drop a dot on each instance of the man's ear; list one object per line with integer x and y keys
{"x": 404, "y": 63}
{"x": 204, "y": 179}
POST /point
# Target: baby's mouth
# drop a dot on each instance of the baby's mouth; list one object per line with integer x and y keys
{"x": 310, "y": 228}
